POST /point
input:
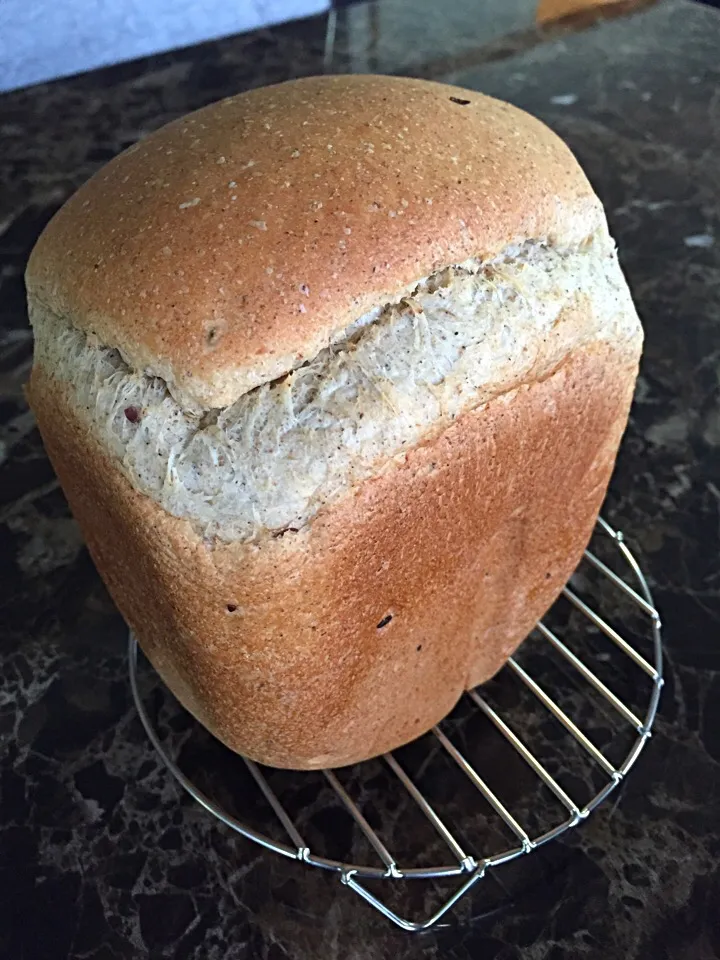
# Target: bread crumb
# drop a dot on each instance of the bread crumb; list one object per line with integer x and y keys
{"x": 190, "y": 203}
{"x": 427, "y": 367}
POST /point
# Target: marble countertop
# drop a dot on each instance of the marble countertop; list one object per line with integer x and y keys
{"x": 101, "y": 855}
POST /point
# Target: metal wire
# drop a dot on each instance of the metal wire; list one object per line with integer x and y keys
{"x": 467, "y": 865}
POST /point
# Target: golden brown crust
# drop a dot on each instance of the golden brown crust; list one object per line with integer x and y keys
{"x": 465, "y": 542}
{"x": 233, "y": 243}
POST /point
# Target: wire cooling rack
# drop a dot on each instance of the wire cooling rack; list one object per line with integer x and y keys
{"x": 513, "y": 793}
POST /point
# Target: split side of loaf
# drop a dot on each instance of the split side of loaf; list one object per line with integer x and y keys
{"x": 324, "y": 524}
{"x": 271, "y": 460}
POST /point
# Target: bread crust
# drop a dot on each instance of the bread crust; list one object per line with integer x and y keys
{"x": 233, "y": 244}
{"x": 236, "y": 243}
{"x": 278, "y": 647}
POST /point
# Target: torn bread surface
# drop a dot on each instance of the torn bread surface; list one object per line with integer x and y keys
{"x": 398, "y": 375}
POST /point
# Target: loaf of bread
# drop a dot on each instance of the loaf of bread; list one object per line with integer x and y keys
{"x": 333, "y": 375}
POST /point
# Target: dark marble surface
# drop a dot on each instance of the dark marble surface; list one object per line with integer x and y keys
{"x": 101, "y": 855}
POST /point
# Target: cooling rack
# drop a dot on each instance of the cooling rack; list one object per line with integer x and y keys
{"x": 584, "y": 737}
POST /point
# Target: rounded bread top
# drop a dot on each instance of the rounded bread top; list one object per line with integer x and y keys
{"x": 233, "y": 244}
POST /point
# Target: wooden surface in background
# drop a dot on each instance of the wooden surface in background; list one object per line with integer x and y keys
{"x": 551, "y": 10}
